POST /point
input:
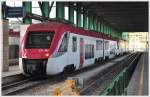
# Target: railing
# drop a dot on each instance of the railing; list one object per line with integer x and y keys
{"x": 118, "y": 85}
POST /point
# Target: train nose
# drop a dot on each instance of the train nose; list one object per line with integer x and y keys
{"x": 35, "y": 66}
{"x": 36, "y": 54}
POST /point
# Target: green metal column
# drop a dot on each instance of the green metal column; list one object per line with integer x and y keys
{"x": 85, "y": 19}
{"x": 94, "y": 23}
{"x": 113, "y": 33}
{"x": 44, "y": 6}
{"x": 106, "y": 28}
{"x": 88, "y": 22}
{"x": 97, "y": 24}
{"x": 99, "y": 30}
{"x": 101, "y": 25}
{"x": 71, "y": 14}
{"x": 27, "y": 9}
{"x": 3, "y": 10}
{"x": 60, "y": 10}
{"x": 109, "y": 31}
{"x": 78, "y": 16}
{"x": 104, "y": 25}
{"x": 91, "y": 22}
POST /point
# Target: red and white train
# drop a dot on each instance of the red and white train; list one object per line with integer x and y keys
{"x": 50, "y": 48}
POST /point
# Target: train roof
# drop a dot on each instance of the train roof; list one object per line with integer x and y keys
{"x": 62, "y": 27}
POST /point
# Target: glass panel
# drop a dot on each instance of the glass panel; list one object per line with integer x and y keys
{"x": 74, "y": 44}
{"x": 89, "y": 51}
{"x": 64, "y": 44}
{"x": 39, "y": 39}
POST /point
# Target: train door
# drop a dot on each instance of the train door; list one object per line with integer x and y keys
{"x": 75, "y": 52}
{"x": 103, "y": 49}
{"x": 81, "y": 52}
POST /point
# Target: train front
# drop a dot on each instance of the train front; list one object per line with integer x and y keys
{"x": 34, "y": 51}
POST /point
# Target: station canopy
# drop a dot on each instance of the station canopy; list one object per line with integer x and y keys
{"x": 124, "y": 16}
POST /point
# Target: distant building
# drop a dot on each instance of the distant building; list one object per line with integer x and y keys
{"x": 138, "y": 41}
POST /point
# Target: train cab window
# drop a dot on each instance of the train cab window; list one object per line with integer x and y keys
{"x": 74, "y": 44}
{"x": 39, "y": 39}
{"x": 64, "y": 44}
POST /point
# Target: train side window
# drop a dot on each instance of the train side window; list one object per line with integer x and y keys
{"x": 99, "y": 45}
{"x": 106, "y": 45}
{"x": 64, "y": 44}
{"x": 89, "y": 51}
{"x": 74, "y": 44}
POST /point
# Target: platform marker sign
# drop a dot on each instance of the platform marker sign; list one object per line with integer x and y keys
{"x": 13, "y": 12}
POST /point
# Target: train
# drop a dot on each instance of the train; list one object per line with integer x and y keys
{"x": 53, "y": 47}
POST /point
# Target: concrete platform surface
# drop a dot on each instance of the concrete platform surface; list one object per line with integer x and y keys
{"x": 13, "y": 70}
{"x": 138, "y": 84}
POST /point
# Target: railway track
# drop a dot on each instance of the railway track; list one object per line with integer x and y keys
{"x": 101, "y": 80}
{"x": 19, "y": 86}
{"x": 13, "y": 78}
{"x": 16, "y": 86}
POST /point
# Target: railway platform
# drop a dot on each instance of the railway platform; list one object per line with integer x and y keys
{"x": 13, "y": 70}
{"x": 138, "y": 84}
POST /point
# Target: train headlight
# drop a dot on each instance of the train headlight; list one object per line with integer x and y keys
{"x": 47, "y": 54}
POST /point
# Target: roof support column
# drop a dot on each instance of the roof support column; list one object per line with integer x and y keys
{"x": 71, "y": 13}
{"x": 78, "y": 16}
{"x": 95, "y": 23}
{"x": 60, "y": 10}
{"x": 27, "y": 9}
{"x": 101, "y": 28}
{"x": 98, "y": 26}
{"x": 3, "y": 4}
{"x": 107, "y": 29}
{"x": 44, "y": 6}
{"x": 102, "y": 25}
{"x": 104, "y": 28}
{"x": 90, "y": 24}
{"x": 85, "y": 19}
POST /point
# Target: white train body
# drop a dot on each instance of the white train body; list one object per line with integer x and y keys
{"x": 69, "y": 49}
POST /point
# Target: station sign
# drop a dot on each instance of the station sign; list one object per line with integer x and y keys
{"x": 14, "y": 12}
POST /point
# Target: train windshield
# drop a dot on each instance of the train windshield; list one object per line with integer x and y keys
{"x": 39, "y": 40}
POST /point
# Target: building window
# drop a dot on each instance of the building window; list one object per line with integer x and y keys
{"x": 74, "y": 44}
{"x": 99, "y": 45}
{"x": 89, "y": 51}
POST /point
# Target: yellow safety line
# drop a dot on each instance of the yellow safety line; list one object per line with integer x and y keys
{"x": 141, "y": 79}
